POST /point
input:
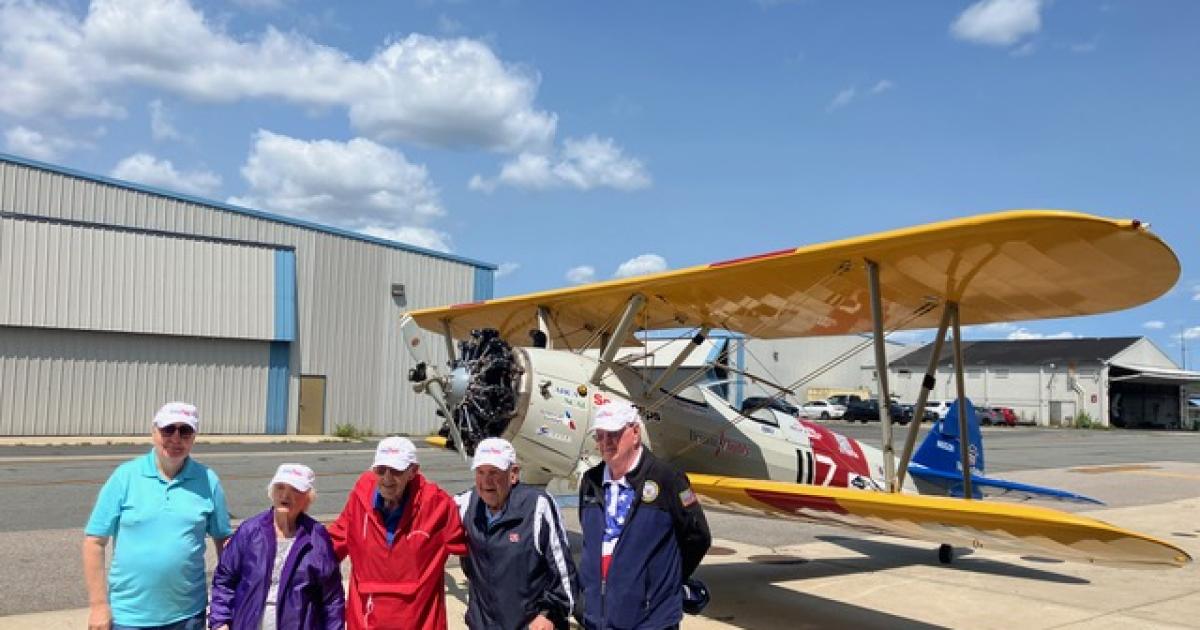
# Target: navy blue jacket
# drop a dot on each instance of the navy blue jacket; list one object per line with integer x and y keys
{"x": 520, "y": 566}
{"x": 310, "y": 585}
{"x": 663, "y": 540}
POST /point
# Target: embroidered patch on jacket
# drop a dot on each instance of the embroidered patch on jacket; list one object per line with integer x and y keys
{"x": 514, "y": 537}
{"x": 649, "y": 492}
{"x": 687, "y": 497}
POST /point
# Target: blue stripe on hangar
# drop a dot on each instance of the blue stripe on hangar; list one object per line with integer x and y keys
{"x": 278, "y": 370}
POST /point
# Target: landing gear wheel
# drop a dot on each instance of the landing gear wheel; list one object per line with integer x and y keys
{"x": 945, "y": 554}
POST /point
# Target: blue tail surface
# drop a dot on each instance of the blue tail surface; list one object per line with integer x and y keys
{"x": 937, "y": 465}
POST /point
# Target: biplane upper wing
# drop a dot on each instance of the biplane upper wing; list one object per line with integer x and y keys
{"x": 1007, "y": 266}
{"x": 978, "y": 524}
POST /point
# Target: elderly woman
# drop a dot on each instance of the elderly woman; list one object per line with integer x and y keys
{"x": 279, "y": 570}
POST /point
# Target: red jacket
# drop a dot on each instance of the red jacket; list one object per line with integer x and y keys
{"x": 401, "y": 586}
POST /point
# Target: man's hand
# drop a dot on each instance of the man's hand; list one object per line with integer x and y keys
{"x": 541, "y": 623}
{"x": 99, "y": 617}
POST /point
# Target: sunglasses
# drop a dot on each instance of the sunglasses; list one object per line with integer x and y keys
{"x": 185, "y": 431}
{"x": 609, "y": 436}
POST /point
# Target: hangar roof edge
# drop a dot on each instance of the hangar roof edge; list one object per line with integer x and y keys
{"x": 258, "y": 214}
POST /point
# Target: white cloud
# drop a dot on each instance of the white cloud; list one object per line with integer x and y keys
{"x": 999, "y": 327}
{"x": 1192, "y": 333}
{"x": 1155, "y": 324}
{"x": 420, "y": 236}
{"x": 1196, "y": 293}
{"x": 581, "y": 274}
{"x": 34, "y": 144}
{"x": 1025, "y": 333}
{"x": 507, "y": 269}
{"x": 641, "y": 265}
{"x": 357, "y": 185}
{"x": 451, "y": 92}
{"x": 585, "y": 164}
{"x": 151, "y": 171}
{"x": 883, "y": 86}
{"x": 998, "y": 22}
{"x": 160, "y": 123}
{"x": 841, "y": 100}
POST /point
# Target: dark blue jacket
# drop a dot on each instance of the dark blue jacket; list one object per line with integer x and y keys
{"x": 310, "y": 585}
{"x": 519, "y": 566}
{"x": 663, "y": 540}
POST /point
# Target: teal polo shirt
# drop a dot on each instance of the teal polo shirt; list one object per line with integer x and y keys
{"x": 158, "y": 529}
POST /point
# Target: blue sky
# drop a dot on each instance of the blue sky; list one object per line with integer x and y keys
{"x": 569, "y": 141}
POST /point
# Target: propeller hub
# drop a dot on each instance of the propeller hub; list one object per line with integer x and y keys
{"x": 456, "y": 391}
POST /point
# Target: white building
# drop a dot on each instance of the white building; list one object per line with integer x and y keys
{"x": 1117, "y": 381}
{"x": 115, "y": 298}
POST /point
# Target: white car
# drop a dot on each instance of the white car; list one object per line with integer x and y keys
{"x": 822, "y": 409}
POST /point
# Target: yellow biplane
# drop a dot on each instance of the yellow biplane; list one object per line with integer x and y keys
{"x": 533, "y": 368}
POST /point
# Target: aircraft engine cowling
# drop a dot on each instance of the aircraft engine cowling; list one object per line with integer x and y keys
{"x": 483, "y": 391}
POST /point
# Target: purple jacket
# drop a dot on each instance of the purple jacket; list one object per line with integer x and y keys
{"x": 310, "y": 585}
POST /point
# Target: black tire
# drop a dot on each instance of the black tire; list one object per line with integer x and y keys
{"x": 824, "y": 415}
{"x": 945, "y": 554}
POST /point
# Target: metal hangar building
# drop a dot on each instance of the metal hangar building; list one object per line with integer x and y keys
{"x": 115, "y": 298}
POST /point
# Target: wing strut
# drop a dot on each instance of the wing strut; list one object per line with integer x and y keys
{"x": 679, "y": 359}
{"x": 618, "y": 336}
{"x": 543, "y": 321}
{"x": 922, "y": 399}
{"x": 961, "y": 386}
{"x": 449, "y": 339}
{"x": 881, "y": 367}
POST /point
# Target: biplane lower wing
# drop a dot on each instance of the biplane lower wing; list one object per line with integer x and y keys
{"x": 1024, "y": 529}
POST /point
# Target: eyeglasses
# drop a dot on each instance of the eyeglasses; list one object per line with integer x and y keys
{"x": 185, "y": 430}
{"x": 380, "y": 471}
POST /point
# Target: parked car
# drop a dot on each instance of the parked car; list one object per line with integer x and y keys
{"x": 822, "y": 409}
{"x": 1005, "y": 416}
{"x": 868, "y": 410}
{"x": 939, "y": 407}
{"x": 988, "y": 416}
{"x": 843, "y": 399}
{"x": 928, "y": 416}
{"x": 754, "y": 403}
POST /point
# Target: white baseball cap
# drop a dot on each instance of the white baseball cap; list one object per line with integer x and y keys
{"x": 395, "y": 452}
{"x": 177, "y": 413}
{"x": 495, "y": 452}
{"x": 298, "y": 476}
{"x": 615, "y": 415}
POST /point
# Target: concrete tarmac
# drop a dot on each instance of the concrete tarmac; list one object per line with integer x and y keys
{"x": 766, "y": 573}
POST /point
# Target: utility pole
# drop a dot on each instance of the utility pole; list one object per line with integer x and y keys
{"x": 1183, "y": 346}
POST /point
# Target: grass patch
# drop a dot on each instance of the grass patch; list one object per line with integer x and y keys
{"x": 348, "y": 431}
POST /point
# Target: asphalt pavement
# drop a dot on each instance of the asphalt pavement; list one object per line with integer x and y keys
{"x": 769, "y": 573}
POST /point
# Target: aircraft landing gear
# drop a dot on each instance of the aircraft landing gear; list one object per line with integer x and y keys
{"x": 945, "y": 554}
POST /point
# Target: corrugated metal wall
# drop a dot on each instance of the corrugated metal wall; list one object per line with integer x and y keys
{"x": 73, "y": 276}
{"x": 64, "y": 382}
{"x": 347, "y": 319}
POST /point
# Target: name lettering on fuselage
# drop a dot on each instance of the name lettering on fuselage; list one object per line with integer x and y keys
{"x": 721, "y": 443}
{"x": 545, "y": 432}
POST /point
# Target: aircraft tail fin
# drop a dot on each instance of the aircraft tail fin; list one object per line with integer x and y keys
{"x": 941, "y": 448}
{"x": 937, "y": 465}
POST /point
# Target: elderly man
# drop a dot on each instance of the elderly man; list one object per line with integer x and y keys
{"x": 644, "y": 532}
{"x": 157, "y": 508}
{"x": 398, "y": 529}
{"x": 520, "y": 568}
